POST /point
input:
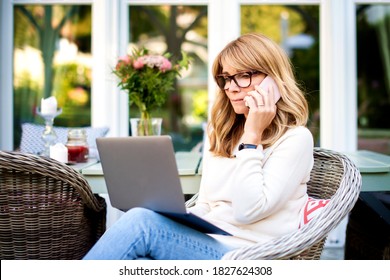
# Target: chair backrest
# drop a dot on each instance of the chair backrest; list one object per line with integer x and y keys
{"x": 335, "y": 177}
{"x": 47, "y": 209}
{"x": 327, "y": 173}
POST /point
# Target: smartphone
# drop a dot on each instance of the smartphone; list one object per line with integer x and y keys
{"x": 265, "y": 85}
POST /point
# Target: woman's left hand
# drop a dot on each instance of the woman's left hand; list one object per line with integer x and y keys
{"x": 262, "y": 110}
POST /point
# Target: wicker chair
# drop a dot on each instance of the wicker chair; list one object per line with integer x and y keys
{"x": 333, "y": 176}
{"x": 47, "y": 209}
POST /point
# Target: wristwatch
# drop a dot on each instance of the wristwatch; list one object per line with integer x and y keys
{"x": 246, "y": 146}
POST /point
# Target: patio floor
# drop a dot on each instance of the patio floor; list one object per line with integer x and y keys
{"x": 333, "y": 253}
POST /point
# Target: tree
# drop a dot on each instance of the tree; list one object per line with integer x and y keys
{"x": 48, "y": 36}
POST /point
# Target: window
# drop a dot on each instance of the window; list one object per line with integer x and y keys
{"x": 296, "y": 29}
{"x": 171, "y": 28}
{"x": 52, "y": 57}
{"x": 373, "y": 65}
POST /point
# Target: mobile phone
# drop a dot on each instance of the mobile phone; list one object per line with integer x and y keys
{"x": 265, "y": 86}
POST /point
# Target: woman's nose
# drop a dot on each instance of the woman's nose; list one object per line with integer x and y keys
{"x": 233, "y": 86}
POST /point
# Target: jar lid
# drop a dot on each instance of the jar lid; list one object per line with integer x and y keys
{"x": 77, "y": 133}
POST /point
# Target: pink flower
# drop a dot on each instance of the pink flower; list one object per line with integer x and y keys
{"x": 153, "y": 69}
{"x": 122, "y": 62}
{"x": 139, "y": 63}
{"x": 126, "y": 59}
{"x": 166, "y": 65}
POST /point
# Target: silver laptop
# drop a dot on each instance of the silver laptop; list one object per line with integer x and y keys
{"x": 142, "y": 172}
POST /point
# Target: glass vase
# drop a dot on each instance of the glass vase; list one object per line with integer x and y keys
{"x": 145, "y": 126}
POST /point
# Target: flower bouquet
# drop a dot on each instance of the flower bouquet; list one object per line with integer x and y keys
{"x": 148, "y": 78}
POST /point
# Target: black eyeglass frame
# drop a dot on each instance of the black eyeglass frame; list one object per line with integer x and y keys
{"x": 232, "y": 77}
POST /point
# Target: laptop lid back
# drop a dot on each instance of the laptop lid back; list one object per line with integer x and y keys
{"x": 141, "y": 172}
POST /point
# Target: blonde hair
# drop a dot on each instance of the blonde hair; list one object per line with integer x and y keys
{"x": 255, "y": 52}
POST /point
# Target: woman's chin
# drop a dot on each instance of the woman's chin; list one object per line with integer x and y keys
{"x": 241, "y": 110}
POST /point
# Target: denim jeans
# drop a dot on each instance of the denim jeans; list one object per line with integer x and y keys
{"x": 145, "y": 234}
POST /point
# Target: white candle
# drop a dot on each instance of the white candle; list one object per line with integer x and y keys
{"x": 59, "y": 152}
{"x": 49, "y": 106}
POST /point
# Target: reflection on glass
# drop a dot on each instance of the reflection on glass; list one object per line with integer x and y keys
{"x": 171, "y": 29}
{"x": 52, "y": 57}
{"x": 373, "y": 60}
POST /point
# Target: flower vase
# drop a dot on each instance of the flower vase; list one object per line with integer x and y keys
{"x": 145, "y": 126}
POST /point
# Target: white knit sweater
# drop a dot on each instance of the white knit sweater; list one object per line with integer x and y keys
{"x": 259, "y": 194}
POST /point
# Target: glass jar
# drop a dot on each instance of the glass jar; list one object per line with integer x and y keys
{"x": 77, "y": 145}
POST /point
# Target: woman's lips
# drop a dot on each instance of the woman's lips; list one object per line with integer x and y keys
{"x": 235, "y": 101}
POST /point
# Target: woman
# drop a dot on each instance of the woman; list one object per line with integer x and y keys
{"x": 257, "y": 161}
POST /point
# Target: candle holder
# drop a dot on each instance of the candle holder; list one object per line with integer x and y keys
{"x": 49, "y": 136}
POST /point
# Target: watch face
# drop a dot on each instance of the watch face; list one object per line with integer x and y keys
{"x": 246, "y": 146}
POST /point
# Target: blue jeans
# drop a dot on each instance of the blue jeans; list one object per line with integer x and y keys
{"x": 144, "y": 234}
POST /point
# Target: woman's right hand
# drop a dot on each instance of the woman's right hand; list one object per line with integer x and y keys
{"x": 262, "y": 110}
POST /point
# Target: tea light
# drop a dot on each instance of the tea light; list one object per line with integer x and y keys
{"x": 59, "y": 152}
{"x": 49, "y": 106}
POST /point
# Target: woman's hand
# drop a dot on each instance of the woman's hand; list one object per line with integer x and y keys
{"x": 262, "y": 110}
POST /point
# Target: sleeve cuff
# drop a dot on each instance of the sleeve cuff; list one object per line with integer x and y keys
{"x": 251, "y": 152}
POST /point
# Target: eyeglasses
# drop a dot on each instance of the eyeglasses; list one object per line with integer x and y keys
{"x": 242, "y": 80}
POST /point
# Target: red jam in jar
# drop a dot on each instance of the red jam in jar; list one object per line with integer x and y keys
{"x": 77, "y": 145}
